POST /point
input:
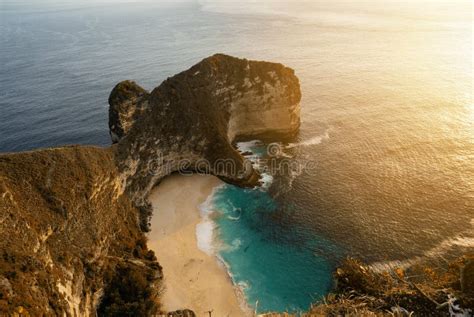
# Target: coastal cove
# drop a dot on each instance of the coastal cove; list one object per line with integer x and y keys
{"x": 150, "y": 143}
{"x": 306, "y": 157}
{"x": 207, "y": 233}
{"x": 212, "y": 260}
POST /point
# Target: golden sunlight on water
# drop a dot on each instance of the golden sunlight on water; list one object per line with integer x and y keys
{"x": 387, "y": 119}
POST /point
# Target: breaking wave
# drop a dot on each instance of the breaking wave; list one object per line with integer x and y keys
{"x": 464, "y": 240}
{"x": 311, "y": 141}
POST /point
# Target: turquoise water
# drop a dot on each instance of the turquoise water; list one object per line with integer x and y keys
{"x": 281, "y": 274}
{"x": 274, "y": 263}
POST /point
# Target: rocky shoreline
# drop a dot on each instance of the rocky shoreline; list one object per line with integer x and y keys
{"x": 190, "y": 121}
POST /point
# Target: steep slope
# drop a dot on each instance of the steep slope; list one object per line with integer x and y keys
{"x": 65, "y": 225}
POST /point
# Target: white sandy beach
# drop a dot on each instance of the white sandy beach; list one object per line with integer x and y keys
{"x": 193, "y": 279}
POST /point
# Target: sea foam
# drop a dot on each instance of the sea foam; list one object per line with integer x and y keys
{"x": 205, "y": 229}
{"x": 311, "y": 141}
{"x": 204, "y": 234}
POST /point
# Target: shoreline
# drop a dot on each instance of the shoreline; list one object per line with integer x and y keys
{"x": 193, "y": 279}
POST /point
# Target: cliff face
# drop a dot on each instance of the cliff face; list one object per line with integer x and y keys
{"x": 191, "y": 120}
{"x": 66, "y": 224}
{"x": 72, "y": 217}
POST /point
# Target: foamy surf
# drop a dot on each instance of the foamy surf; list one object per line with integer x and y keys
{"x": 266, "y": 180}
{"x": 205, "y": 229}
{"x": 238, "y": 217}
{"x": 318, "y": 139}
{"x": 256, "y": 154}
{"x": 247, "y": 146}
{"x": 464, "y": 240}
{"x": 252, "y": 150}
{"x": 239, "y": 287}
{"x": 207, "y": 242}
{"x": 204, "y": 234}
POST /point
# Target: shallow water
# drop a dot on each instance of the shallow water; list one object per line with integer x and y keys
{"x": 387, "y": 119}
{"x": 274, "y": 263}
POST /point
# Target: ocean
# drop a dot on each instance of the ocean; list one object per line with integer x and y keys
{"x": 387, "y": 121}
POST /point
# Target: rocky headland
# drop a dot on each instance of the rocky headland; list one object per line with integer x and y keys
{"x": 73, "y": 218}
{"x": 192, "y": 119}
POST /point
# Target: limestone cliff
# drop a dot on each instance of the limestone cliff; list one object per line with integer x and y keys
{"x": 191, "y": 120}
{"x": 72, "y": 218}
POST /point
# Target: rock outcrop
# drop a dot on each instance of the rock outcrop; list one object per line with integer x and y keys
{"x": 72, "y": 218}
{"x": 467, "y": 277}
{"x": 191, "y": 120}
